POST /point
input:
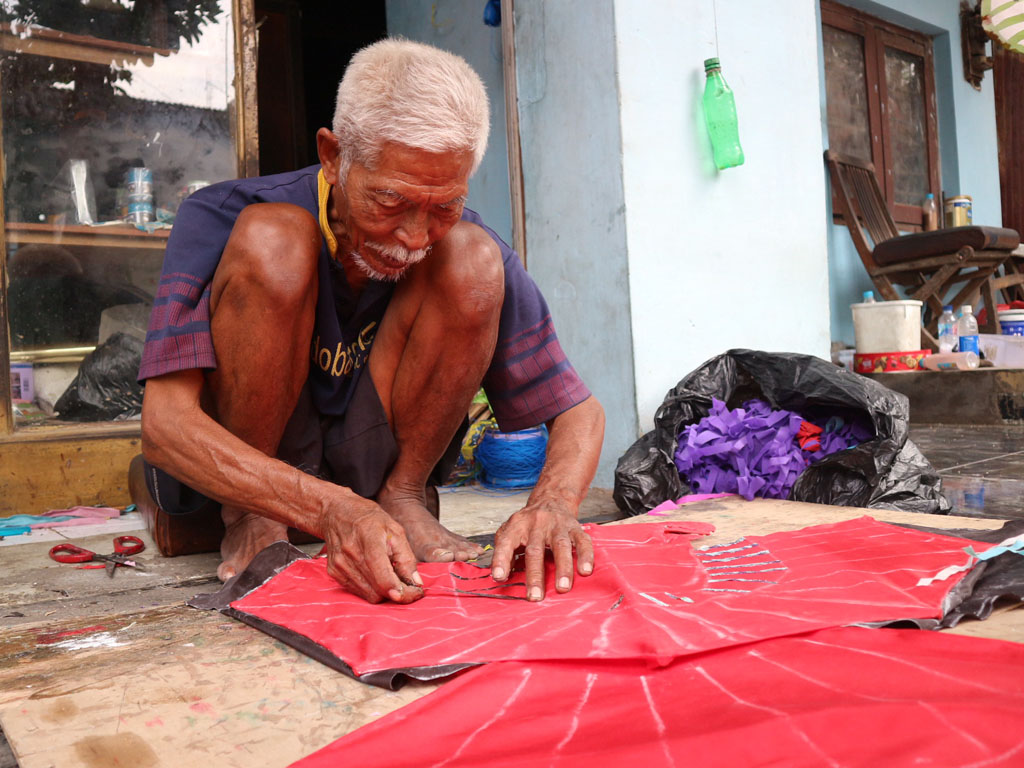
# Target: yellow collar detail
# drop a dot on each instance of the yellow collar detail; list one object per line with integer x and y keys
{"x": 323, "y": 193}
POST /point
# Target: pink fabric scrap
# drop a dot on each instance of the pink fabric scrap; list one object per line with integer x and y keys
{"x": 79, "y": 516}
{"x": 668, "y": 505}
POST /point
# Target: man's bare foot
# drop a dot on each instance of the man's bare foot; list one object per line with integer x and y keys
{"x": 245, "y": 536}
{"x": 431, "y": 542}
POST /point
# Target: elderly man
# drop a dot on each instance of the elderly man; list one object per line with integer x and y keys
{"x": 317, "y": 338}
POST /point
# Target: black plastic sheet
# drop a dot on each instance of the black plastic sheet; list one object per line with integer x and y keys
{"x": 106, "y": 387}
{"x": 886, "y": 472}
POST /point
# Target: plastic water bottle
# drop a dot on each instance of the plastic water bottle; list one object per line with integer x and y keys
{"x": 720, "y": 116}
{"x": 947, "y": 330}
{"x": 930, "y": 213}
{"x": 868, "y": 297}
{"x": 951, "y": 361}
{"x": 967, "y": 330}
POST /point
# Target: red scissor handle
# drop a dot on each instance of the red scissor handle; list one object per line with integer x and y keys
{"x": 69, "y": 553}
{"x": 128, "y": 545}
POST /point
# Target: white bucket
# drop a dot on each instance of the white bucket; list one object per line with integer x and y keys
{"x": 887, "y": 326}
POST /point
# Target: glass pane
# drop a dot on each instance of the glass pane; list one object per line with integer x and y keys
{"x": 846, "y": 93}
{"x": 904, "y": 79}
{"x": 111, "y": 111}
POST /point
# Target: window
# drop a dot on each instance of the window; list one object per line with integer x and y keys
{"x": 880, "y": 98}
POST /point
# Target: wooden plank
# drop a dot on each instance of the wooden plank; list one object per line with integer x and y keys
{"x": 113, "y": 236}
{"x": 247, "y": 109}
{"x": 210, "y": 691}
{"x": 982, "y": 396}
{"x": 40, "y": 475}
{"x": 58, "y": 49}
{"x": 515, "y": 148}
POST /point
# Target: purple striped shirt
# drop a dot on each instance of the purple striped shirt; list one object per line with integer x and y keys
{"x": 529, "y": 381}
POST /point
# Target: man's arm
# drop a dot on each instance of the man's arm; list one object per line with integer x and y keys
{"x": 368, "y": 551}
{"x": 549, "y": 519}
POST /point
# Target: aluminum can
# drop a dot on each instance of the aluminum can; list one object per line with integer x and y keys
{"x": 958, "y": 211}
{"x": 138, "y": 198}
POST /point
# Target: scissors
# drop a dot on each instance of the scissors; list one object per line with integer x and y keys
{"x": 124, "y": 548}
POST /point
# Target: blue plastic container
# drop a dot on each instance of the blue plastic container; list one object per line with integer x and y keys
{"x": 1011, "y": 323}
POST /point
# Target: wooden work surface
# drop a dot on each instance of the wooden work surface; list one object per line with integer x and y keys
{"x": 178, "y": 687}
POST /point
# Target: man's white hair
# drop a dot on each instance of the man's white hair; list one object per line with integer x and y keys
{"x": 411, "y": 94}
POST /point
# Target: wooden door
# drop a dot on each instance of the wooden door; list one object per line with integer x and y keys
{"x": 1009, "y": 92}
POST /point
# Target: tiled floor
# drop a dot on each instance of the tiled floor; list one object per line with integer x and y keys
{"x": 982, "y": 467}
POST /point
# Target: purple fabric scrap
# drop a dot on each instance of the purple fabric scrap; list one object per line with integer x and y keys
{"x": 754, "y": 450}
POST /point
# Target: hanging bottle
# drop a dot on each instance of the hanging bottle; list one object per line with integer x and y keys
{"x": 720, "y": 116}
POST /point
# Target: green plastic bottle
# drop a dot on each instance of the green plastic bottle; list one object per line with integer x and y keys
{"x": 720, "y": 116}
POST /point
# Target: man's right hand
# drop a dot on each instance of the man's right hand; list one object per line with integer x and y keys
{"x": 368, "y": 554}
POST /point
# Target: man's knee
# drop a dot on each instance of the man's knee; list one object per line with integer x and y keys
{"x": 468, "y": 273}
{"x": 272, "y": 253}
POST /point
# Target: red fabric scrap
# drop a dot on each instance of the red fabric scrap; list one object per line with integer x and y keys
{"x": 651, "y": 597}
{"x": 808, "y": 436}
{"x": 839, "y": 697}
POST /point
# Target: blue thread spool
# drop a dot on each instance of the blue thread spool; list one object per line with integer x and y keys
{"x": 512, "y": 459}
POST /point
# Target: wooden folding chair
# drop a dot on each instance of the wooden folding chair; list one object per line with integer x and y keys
{"x": 927, "y": 265}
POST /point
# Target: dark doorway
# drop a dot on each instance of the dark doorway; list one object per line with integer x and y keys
{"x": 304, "y": 47}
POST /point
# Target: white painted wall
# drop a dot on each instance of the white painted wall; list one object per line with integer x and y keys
{"x": 727, "y": 259}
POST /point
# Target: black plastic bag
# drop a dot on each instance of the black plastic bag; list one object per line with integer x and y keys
{"x": 886, "y": 472}
{"x": 106, "y": 387}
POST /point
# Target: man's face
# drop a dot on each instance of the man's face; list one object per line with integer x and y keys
{"x": 394, "y": 213}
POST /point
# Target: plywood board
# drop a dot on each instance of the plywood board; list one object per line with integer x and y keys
{"x": 39, "y": 475}
{"x": 175, "y": 687}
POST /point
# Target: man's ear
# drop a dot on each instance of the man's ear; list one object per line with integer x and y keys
{"x": 329, "y": 152}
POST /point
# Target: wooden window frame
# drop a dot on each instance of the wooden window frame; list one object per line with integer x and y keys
{"x": 879, "y": 35}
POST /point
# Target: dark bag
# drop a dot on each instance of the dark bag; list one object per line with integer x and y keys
{"x": 106, "y": 387}
{"x": 886, "y": 472}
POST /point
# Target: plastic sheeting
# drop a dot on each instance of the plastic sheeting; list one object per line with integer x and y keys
{"x": 846, "y": 697}
{"x": 885, "y": 472}
{"x": 651, "y": 597}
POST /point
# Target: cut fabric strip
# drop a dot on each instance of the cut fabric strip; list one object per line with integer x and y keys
{"x": 838, "y": 697}
{"x": 756, "y": 450}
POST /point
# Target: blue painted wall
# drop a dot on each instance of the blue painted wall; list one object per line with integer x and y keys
{"x": 967, "y": 142}
{"x": 457, "y": 26}
{"x": 575, "y": 211}
{"x": 576, "y": 249}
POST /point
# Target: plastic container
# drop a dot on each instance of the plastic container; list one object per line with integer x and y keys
{"x": 887, "y": 326}
{"x": 951, "y": 361}
{"x": 889, "y": 362}
{"x": 958, "y": 211}
{"x": 1011, "y": 322}
{"x": 947, "y": 329}
{"x": 967, "y": 330}
{"x": 845, "y": 357}
{"x": 23, "y": 388}
{"x": 1002, "y": 351}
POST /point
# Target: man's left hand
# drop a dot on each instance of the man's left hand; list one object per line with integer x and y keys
{"x": 538, "y": 527}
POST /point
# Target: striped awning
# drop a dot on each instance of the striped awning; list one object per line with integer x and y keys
{"x": 1003, "y": 20}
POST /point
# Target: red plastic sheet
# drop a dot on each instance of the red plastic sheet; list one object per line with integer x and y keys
{"x": 839, "y": 697}
{"x": 651, "y": 597}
